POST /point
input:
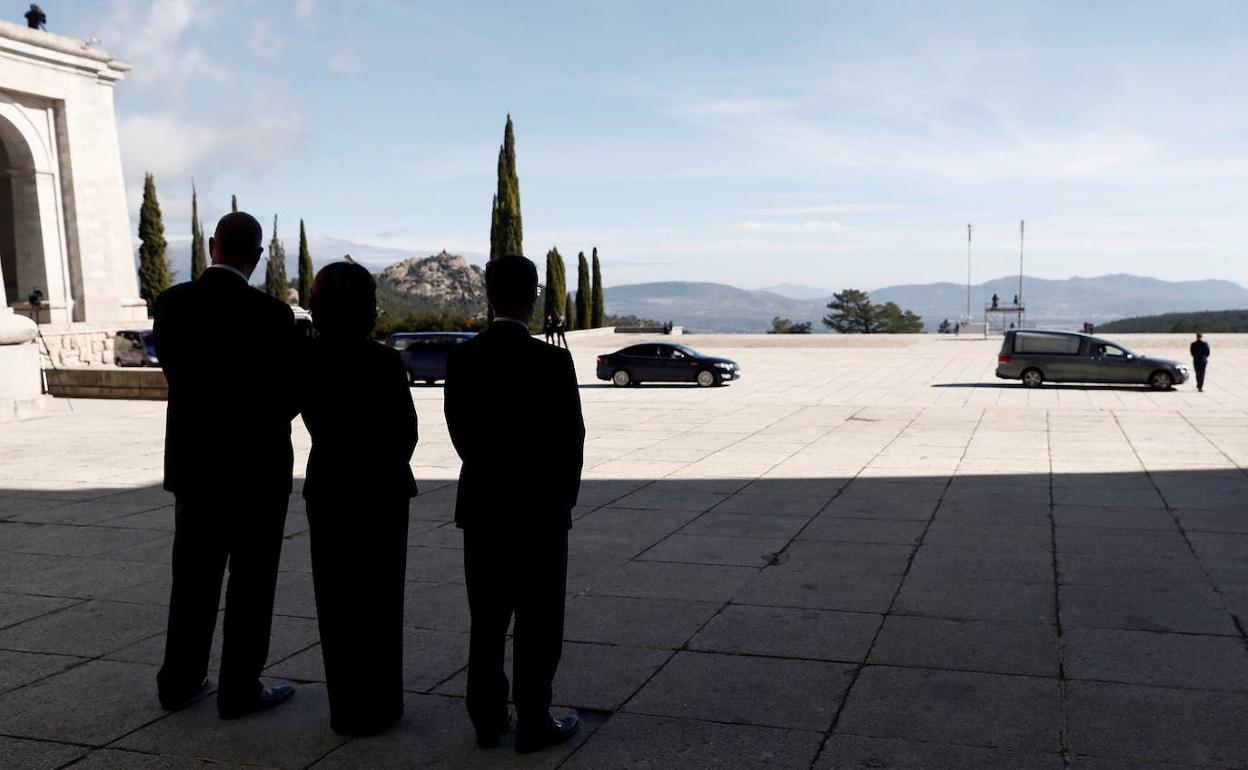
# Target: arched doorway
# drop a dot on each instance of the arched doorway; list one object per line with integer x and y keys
{"x": 32, "y": 254}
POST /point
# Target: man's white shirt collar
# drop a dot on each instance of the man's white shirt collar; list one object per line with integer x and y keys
{"x": 232, "y": 269}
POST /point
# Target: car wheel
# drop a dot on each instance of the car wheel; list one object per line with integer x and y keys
{"x": 621, "y": 378}
{"x": 707, "y": 378}
{"x": 1161, "y": 380}
{"x": 1033, "y": 378}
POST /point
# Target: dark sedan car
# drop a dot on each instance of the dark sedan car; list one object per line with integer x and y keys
{"x": 665, "y": 362}
{"x": 135, "y": 348}
{"x": 1036, "y": 356}
{"x": 424, "y": 353}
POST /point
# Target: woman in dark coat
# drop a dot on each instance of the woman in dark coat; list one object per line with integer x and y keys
{"x": 357, "y": 407}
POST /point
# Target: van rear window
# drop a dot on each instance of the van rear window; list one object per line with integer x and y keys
{"x": 1053, "y": 344}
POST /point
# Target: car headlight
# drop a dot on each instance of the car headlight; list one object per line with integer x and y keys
{"x": 723, "y": 365}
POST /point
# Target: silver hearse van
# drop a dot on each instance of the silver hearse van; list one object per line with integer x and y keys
{"x": 1036, "y": 356}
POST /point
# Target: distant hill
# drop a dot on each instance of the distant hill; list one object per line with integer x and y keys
{"x": 443, "y": 283}
{"x": 715, "y": 307}
{"x": 1207, "y": 321}
{"x": 797, "y": 291}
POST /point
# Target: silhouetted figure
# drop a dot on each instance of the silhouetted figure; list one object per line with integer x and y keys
{"x": 995, "y": 301}
{"x": 227, "y": 352}
{"x": 356, "y": 404}
{"x": 548, "y": 329}
{"x": 957, "y": 329}
{"x": 1015, "y": 300}
{"x": 561, "y": 326}
{"x": 514, "y": 505}
{"x": 1200, "y": 360}
{"x": 36, "y": 18}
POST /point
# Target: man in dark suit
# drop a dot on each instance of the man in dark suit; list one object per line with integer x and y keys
{"x": 227, "y": 352}
{"x": 514, "y": 414}
{"x": 1200, "y": 360}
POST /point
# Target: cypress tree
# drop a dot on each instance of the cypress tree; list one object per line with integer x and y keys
{"x": 199, "y": 259}
{"x": 596, "y": 307}
{"x": 583, "y": 304}
{"x": 275, "y": 273}
{"x": 556, "y": 284}
{"x": 305, "y": 268}
{"x": 234, "y": 203}
{"x": 506, "y": 230}
{"x": 153, "y": 268}
{"x": 569, "y": 313}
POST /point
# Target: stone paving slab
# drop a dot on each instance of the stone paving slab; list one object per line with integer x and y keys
{"x": 866, "y": 553}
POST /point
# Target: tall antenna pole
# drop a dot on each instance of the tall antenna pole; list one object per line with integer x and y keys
{"x": 968, "y": 272}
{"x": 1021, "y": 223}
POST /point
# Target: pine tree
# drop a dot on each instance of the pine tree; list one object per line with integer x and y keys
{"x": 305, "y": 268}
{"x": 506, "y": 230}
{"x": 199, "y": 258}
{"x": 275, "y": 273}
{"x": 153, "y": 267}
{"x": 234, "y": 203}
{"x": 596, "y": 306}
{"x": 583, "y": 303}
{"x": 556, "y": 284}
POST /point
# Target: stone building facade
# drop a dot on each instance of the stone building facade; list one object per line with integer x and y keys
{"x": 64, "y": 221}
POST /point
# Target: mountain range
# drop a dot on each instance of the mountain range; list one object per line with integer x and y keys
{"x": 716, "y": 307}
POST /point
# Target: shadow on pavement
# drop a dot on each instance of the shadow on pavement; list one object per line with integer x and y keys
{"x": 968, "y": 620}
{"x": 1051, "y": 386}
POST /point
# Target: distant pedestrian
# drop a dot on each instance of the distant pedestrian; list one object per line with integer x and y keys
{"x": 957, "y": 329}
{"x": 995, "y": 301}
{"x": 560, "y": 327}
{"x": 548, "y": 329}
{"x": 1200, "y": 359}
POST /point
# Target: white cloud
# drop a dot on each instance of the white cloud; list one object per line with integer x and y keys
{"x": 150, "y": 36}
{"x": 305, "y": 10}
{"x": 264, "y": 40}
{"x": 345, "y": 62}
{"x": 827, "y": 208}
{"x": 814, "y": 226}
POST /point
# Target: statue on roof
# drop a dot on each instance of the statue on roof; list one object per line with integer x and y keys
{"x": 36, "y": 18}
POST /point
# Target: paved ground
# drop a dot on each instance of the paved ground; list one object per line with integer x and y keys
{"x": 867, "y": 553}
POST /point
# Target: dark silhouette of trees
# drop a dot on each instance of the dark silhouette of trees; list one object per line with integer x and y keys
{"x": 786, "y": 326}
{"x": 854, "y": 313}
{"x": 556, "y": 284}
{"x": 583, "y": 299}
{"x": 506, "y": 229}
{"x": 153, "y": 267}
{"x": 305, "y": 267}
{"x": 275, "y": 282}
{"x": 597, "y": 305}
{"x": 199, "y": 257}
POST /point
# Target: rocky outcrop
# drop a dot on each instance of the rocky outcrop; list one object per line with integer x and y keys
{"x": 444, "y": 282}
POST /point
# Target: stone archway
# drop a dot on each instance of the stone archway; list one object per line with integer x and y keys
{"x": 32, "y": 251}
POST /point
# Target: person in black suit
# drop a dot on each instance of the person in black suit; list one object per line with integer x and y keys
{"x": 521, "y": 440}
{"x": 356, "y": 403}
{"x": 1200, "y": 360}
{"x": 226, "y": 350}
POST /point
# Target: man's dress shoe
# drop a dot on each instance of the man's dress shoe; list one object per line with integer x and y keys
{"x": 554, "y": 732}
{"x": 265, "y": 699}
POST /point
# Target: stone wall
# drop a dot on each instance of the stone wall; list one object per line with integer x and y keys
{"x": 77, "y": 348}
{"x": 144, "y": 384}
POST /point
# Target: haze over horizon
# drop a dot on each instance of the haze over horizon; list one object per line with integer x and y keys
{"x": 823, "y": 144}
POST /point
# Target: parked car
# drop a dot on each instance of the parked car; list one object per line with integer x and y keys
{"x": 424, "y": 353}
{"x": 665, "y": 362}
{"x": 1036, "y": 356}
{"x": 135, "y": 347}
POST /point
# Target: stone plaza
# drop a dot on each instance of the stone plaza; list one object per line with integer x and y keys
{"x": 867, "y": 553}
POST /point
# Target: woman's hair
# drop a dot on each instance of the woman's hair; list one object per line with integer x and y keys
{"x": 344, "y": 300}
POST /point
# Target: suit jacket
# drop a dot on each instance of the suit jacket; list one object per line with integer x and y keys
{"x": 1199, "y": 350}
{"x": 226, "y": 350}
{"x": 357, "y": 405}
{"x": 513, "y": 410}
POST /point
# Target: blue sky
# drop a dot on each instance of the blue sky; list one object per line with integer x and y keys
{"x": 822, "y": 143}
